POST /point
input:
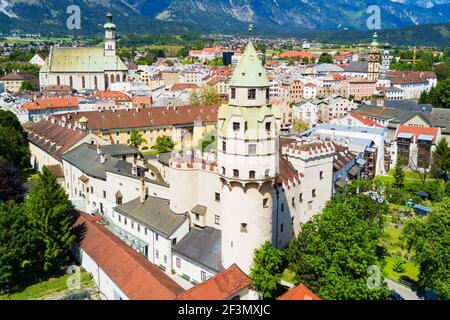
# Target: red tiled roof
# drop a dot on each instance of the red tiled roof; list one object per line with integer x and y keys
{"x": 401, "y": 77}
{"x": 149, "y": 117}
{"x": 309, "y": 84}
{"x": 299, "y": 293}
{"x": 59, "y": 88}
{"x": 51, "y": 103}
{"x": 220, "y": 287}
{"x": 131, "y": 272}
{"x": 113, "y": 95}
{"x": 53, "y": 138}
{"x": 365, "y": 120}
{"x": 184, "y": 86}
{"x": 140, "y": 101}
{"x": 57, "y": 170}
{"x": 417, "y": 131}
{"x": 296, "y": 54}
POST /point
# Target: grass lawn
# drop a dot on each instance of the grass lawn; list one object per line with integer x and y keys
{"x": 289, "y": 276}
{"x": 47, "y": 288}
{"x": 148, "y": 153}
{"x": 411, "y": 271}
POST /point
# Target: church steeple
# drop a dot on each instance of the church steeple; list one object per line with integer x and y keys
{"x": 110, "y": 36}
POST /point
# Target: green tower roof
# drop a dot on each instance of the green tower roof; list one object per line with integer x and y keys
{"x": 250, "y": 72}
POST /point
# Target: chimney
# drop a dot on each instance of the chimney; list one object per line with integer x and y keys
{"x": 102, "y": 158}
{"x": 134, "y": 170}
{"x": 143, "y": 193}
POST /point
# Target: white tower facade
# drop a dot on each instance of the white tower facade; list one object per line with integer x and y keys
{"x": 374, "y": 59}
{"x": 110, "y": 36}
{"x": 248, "y": 162}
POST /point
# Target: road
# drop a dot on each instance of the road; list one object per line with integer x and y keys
{"x": 404, "y": 291}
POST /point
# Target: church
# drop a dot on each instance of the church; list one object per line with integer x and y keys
{"x": 93, "y": 68}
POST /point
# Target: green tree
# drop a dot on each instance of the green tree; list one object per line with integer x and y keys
{"x": 267, "y": 270}
{"x": 440, "y": 95}
{"x": 136, "y": 139}
{"x": 332, "y": 253}
{"x": 26, "y": 86}
{"x": 399, "y": 174}
{"x": 19, "y": 260}
{"x": 164, "y": 144}
{"x": 195, "y": 98}
{"x": 210, "y": 96}
{"x": 326, "y": 58}
{"x": 11, "y": 184}
{"x": 14, "y": 147}
{"x": 430, "y": 239}
{"x": 50, "y": 214}
{"x": 299, "y": 126}
{"x": 440, "y": 161}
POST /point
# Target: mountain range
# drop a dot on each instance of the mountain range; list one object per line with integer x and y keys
{"x": 270, "y": 17}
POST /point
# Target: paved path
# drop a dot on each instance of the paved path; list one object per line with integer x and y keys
{"x": 404, "y": 291}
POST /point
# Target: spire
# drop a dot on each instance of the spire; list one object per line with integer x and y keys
{"x": 250, "y": 31}
{"x": 250, "y": 72}
{"x": 374, "y": 39}
{"x": 109, "y": 25}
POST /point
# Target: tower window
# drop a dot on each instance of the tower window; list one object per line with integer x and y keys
{"x": 267, "y": 94}
{"x": 243, "y": 227}
{"x": 282, "y": 227}
{"x": 252, "y": 174}
{"x": 314, "y": 194}
{"x": 233, "y": 93}
{"x": 321, "y": 175}
{"x": 236, "y": 126}
{"x": 268, "y": 126}
{"x": 282, "y": 207}
{"x": 300, "y": 198}
{"x": 252, "y": 149}
{"x": 265, "y": 202}
{"x": 251, "y": 94}
{"x": 224, "y": 146}
{"x": 236, "y": 173}
{"x": 267, "y": 173}
{"x": 224, "y": 171}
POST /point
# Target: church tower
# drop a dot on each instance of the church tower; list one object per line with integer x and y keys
{"x": 384, "y": 79}
{"x": 248, "y": 162}
{"x": 110, "y": 36}
{"x": 374, "y": 59}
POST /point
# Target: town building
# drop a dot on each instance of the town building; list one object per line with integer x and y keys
{"x": 13, "y": 81}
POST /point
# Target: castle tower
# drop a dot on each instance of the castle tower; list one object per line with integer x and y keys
{"x": 374, "y": 59}
{"x": 248, "y": 162}
{"x": 110, "y": 36}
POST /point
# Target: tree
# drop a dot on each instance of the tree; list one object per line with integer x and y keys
{"x": 14, "y": 147}
{"x": 50, "y": 214}
{"x": 195, "y": 98}
{"x": 210, "y": 96}
{"x": 136, "y": 139}
{"x": 420, "y": 166}
{"x": 267, "y": 270}
{"x": 440, "y": 161}
{"x": 299, "y": 126}
{"x": 333, "y": 252}
{"x": 430, "y": 239}
{"x": 19, "y": 260}
{"x": 440, "y": 95}
{"x": 164, "y": 144}
{"x": 11, "y": 184}
{"x": 326, "y": 58}
{"x": 26, "y": 86}
{"x": 399, "y": 174}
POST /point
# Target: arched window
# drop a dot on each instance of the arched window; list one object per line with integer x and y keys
{"x": 236, "y": 173}
{"x": 95, "y": 82}
{"x": 118, "y": 78}
{"x": 83, "y": 82}
{"x": 112, "y": 78}
{"x": 252, "y": 174}
{"x": 124, "y": 77}
{"x": 106, "y": 82}
{"x": 71, "y": 81}
{"x": 58, "y": 80}
{"x": 224, "y": 170}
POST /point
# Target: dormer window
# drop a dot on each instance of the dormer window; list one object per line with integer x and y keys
{"x": 236, "y": 126}
{"x": 251, "y": 94}
{"x": 268, "y": 126}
